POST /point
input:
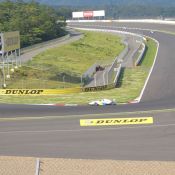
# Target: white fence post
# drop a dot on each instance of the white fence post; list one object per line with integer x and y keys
{"x": 37, "y": 166}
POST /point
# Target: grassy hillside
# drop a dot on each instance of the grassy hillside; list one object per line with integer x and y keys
{"x": 63, "y": 66}
{"x": 131, "y": 84}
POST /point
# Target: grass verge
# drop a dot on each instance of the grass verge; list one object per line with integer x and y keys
{"x": 131, "y": 83}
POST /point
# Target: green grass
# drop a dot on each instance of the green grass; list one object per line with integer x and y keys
{"x": 150, "y": 54}
{"x": 67, "y": 63}
{"x": 131, "y": 84}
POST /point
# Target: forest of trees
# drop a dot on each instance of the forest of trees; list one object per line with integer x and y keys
{"x": 92, "y": 3}
{"x": 139, "y": 11}
{"x": 117, "y": 8}
{"x": 35, "y": 22}
{"x": 123, "y": 11}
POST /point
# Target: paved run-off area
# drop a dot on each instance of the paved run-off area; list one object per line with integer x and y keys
{"x": 27, "y": 166}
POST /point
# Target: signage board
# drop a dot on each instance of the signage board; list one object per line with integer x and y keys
{"x": 77, "y": 15}
{"x": 10, "y": 41}
{"x": 100, "y": 13}
{"x": 117, "y": 121}
{"x": 88, "y": 14}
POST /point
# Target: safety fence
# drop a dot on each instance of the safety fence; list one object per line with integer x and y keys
{"x": 141, "y": 52}
{"x": 113, "y": 70}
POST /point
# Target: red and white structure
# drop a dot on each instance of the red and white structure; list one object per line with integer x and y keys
{"x": 88, "y": 14}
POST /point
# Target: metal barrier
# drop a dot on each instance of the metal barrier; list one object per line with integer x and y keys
{"x": 46, "y": 43}
{"x": 141, "y": 54}
{"x": 116, "y": 64}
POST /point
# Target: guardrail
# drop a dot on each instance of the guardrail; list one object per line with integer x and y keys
{"x": 127, "y": 21}
{"x": 88, "y": 75}
{"x": 117, "y": 74}
{"x": 141, "y": 54}
{"x": 46, "y": 43}
{"x": 116, "y": 63}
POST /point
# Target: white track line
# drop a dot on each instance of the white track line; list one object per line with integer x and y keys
{"x": 150, "y": 72}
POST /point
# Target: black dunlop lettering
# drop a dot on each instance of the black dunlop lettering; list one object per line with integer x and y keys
{"x": 117, "y": 121}
{"x": 100, "y": 121}
{"x": 99, "y": 88}
{"x": 109, "y": 121}
{"x": 23, "y": 92}
{"x": 33, "y": 92}
{"x": 142, "y": 120}
{"x": 134, "y": 120}
{"x": 125, "y": 121}
{"x": 8, "y": 92}
{"x": 14, "y": 91}
{"x": 39, "y": 91}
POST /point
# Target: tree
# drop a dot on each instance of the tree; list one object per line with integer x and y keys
{"x": 35, "y": 22}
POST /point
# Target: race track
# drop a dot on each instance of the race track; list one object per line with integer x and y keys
{"x": 48, "y": 131}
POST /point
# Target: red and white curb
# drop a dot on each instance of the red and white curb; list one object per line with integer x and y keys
{"x": 134, "y": 101}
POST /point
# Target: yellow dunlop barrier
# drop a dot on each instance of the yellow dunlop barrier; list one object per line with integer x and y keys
{"x": 53, "y": 91}
{"x": 39, "y": 91}
{"x": 116, "y": 121}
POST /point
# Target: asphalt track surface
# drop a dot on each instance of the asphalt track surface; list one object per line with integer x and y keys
{"x": 51, "y": 131}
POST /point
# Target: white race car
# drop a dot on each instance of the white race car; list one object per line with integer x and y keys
{"x": 102, "y": 102}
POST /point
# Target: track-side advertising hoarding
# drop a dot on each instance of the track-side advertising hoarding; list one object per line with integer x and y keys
{"x": 88, "y": 14}
{"x": 10, "y": 41}
{"x": 100, "y": 13}
{"x": 77, "y": 15}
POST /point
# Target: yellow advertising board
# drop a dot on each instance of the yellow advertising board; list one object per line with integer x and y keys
{"x": 10, "y": 41}
{"x": 116, "y": 121}
{"x": 39, "y": 91}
